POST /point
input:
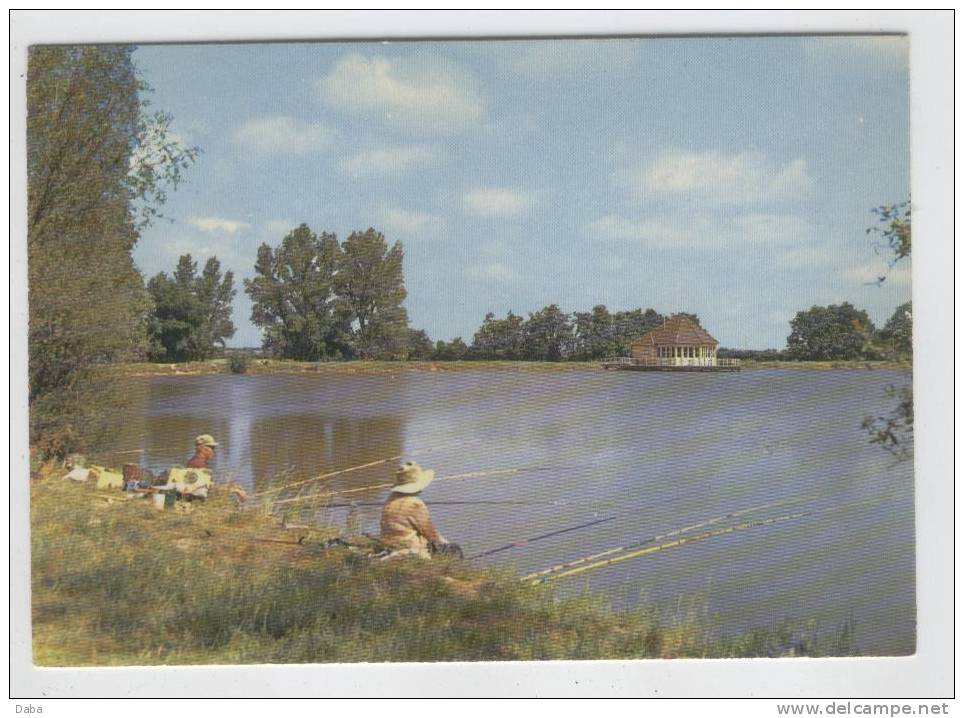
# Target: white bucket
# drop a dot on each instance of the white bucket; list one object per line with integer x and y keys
{"x": 158, "y": 501}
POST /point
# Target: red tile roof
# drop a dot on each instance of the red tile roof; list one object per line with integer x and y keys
{"x": 677, "y": 331}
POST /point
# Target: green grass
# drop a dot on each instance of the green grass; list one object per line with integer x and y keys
{"x": 118, "y": 582}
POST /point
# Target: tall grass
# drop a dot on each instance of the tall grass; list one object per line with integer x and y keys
{"x": 119, "y": 583}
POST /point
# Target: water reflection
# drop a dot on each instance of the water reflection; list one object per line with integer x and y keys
{"x": 654, "y": 451}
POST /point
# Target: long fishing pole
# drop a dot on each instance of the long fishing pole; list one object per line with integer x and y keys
{"x": 668, "y": 545}
{"x": 387, "y": 485}
{"x": 378, "y": 462}
{"x": 669, "y": 534}
{"x": 483, "y": 502}
{"x": 526, "y": 541}
{"x": 700, "y": 537}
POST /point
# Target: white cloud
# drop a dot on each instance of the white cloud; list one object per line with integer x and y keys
{"x": 282, "y": 134}
{"x": 410, "y": 224}
{"x": 388, "y": 160}
{"x": 412, "y": 93}
{"x": 705, "y": 232}
{"x": 496, "y": 202}
{"x": 717, "y": 178}
{"x": 493, "y": 271}
{"x": 217, "y": 224}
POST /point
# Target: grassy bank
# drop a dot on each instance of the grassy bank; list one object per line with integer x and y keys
{"x": 280, "y": 366}
{"x": 117, "y": 582}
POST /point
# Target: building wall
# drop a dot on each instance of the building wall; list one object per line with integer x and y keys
{"x": 639, "y": 350}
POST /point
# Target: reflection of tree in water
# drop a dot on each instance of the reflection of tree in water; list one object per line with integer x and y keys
{"x": 158, "y": 423}
{"x": 308, "y": 444}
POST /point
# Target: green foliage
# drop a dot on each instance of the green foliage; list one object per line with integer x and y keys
{"x": 553, "y": 335}
{"x": 191, "y": 312}
{"x": 895, "y": 432}
{"x": 547, "y": 335}
{"x": 420, "y": 347}
{"x": 600, "y": 334}
{"x": 315, "y": 299}
{"x": 898, "y": 333}
{"x": 454, "y": 350}
{"x": 90, "y": 185}
{"x": 499, "y": 338}
{"x": 371, "y": 284}
{"x": 294, "y": 299}
{"x": 832, "y": 332}
{"x": 238, "y": 363}
{"x": 893, "y": 232}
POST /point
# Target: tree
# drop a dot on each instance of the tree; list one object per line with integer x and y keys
{"x": 294, "y": 300}
{"x": 499, "y": 338}
{"x": 420, "y": 347}
{"x": 832, "y": 332}
{"x": 191, "y": 313}
{"x": 894, "y": 232}
{"x": 371, "y": 284}
{"x": 630, "y": 325}
{"x": 594, "y": 334}
{"x": 895, "y": 433}
{"x": 897, "y": 334}
{"x": 547, "y": 335}
{"x": 92, "y": 183}
{"x": 454, "y": 350}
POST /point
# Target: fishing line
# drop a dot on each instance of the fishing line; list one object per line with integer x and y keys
{"x": 670, "y": 534}
{"x": 701, "y": 537}
{"x": 388, "y": 485}
{"x": 526, "y": 541}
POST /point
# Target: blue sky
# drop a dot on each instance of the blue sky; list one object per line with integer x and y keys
{"x": 732, "y": 178}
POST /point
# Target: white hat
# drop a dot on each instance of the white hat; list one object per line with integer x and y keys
{"x": 411, "y": 478}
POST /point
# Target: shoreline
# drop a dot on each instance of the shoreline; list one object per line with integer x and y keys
{"x": 355, "y": 367}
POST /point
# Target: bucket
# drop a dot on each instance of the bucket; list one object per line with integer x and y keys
{"x": 159, "y": 500}
{"x": 169, "y": 497}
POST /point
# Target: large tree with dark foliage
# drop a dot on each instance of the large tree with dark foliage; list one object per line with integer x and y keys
{"x": 98, "y": 163}
{"x": 294, "y": 299}
{"x": 191, "y": 313}
{"x": 832, "y": 332}
{"x": 499, "y": 338}
{"x": 371, "y": 284}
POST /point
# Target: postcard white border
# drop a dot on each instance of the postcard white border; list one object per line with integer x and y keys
{"x": 927, "y": 674}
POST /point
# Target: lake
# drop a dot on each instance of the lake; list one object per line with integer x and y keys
{"x": 642, "y": 453}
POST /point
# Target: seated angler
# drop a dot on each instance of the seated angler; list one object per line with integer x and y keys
{"x": 203, "y": 452}
{"x": 406, "y": 527}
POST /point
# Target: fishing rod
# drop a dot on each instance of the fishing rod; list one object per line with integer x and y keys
{"x": 669, "y": 534}
{"x": 526, "y": 541}
{"x": 368, "y": 465}
{"x": 453, "y": 503}
{"x": 388, "y": 485}
{"x": 664, "y": 546}
{"x": 699, "y": 537}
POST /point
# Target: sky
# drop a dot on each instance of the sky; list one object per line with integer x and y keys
{"x": 728, "y": 177}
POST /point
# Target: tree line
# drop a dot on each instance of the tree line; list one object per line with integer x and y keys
{"x": 100, "y": 161}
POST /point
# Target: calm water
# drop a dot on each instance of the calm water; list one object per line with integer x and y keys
{"x": 650, "y": 452}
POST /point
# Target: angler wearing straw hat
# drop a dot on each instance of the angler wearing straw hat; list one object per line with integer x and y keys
{"x": 203, "y": 452}
{"x": 406, "y": 526}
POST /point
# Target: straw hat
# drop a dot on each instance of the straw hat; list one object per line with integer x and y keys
{"x": 205, "y": 440}
{"x": 411, "y": 478}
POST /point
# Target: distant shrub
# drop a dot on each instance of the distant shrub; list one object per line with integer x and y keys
{"x": 238, "y": 363}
